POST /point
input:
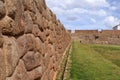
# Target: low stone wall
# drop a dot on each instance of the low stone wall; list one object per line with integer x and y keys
{"x": 94, "y": 36}
{"x": 32, "y": 40}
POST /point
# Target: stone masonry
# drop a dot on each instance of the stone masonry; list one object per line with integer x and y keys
{"x": 32, "y": 40}
{"x": 97, "y": 37}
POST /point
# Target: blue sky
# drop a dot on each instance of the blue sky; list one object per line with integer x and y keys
{"x": 86, "y": 14}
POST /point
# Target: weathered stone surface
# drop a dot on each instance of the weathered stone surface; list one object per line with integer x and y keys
{"x": 46, "y": 26}
{"x": 46, "y": 59}
{"x": 32, "y": 40}
{"x": 50, "y": 65}
{"x": 7, "y": 25}
{"x": 36, "y": 73}
{"x": 29, "y": 5}
{"x": 20, "y": 73}
{"x": 32, "y": 60}
{"x": 26, "y": 43}
{"x": 28, "y": 23}
{"x": 54, "y": 18}
{"x": 39, "y": 46}
{"x": 42, "y": 36}
{"x": 19, "y": 22}
{"x": 10, "y": 8}
{"x": 10, "y": 49}
{"x": 2, "y": 10}
{"x": 51, "y": 74}
{"x": 1, "y": 40}
{"x": 40, "y": 5}
{"x": 44, "y": 13}
{"x": 96, "y": 37}
{"x": 2, "y": 66}
{"x": 51, "y": 49}
{"x": 51, "y": 39}
{"x": 2, "y": 0}
{"x": 45, "y": 76}
{"x": 47, "y": 32}
{"x": 36, "y": 30}
{"x": 39, "y": 20}
{"x": 22, "y": 44}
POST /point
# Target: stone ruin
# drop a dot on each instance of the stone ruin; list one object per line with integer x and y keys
{"x": 32, "y": 40}
{"x": 97, "y": 37}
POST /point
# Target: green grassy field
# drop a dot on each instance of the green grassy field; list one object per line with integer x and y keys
{"x": 95, "y": 62}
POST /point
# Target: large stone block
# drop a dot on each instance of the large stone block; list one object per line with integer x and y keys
{"x": 51, "y": 25}
{"x": 20, "y": 73}
{"x": 36, "y": 30}
{"x": 7, "y": 25}
{"x": 40, "y": 5}
{"x": 44, "y": 13}
{"x": 32, "y": 60}
{"x": 10, "y": 49}
{"x": 19, "y": 22}
{"x": 39, "y": 46}
{"x": 28, "y": 23}
{"x": 45, "y": 22}
{"x": 36, "y": 73}
{"x": 29, "y": 5}
{"x": 51, "y": 39}
{"x": 42, "y": 36}
{"x": 46, "y": 60}
{"x": 10, "y": 8}
{"x": 44, "y": 76}
{"x": 39, "y": 20}
{"x": 47, "y": 32}
{"x": 51, "y": 49}
{"x": 56, "y": 66}
{"x": 49, "y": 14}
{"x": 32, "y": 15}
{"x": 51, "y": 74}
{"x": 50, "y": 65}
{"x": 54, "y": 18}
{"x": 2, "y": 10}
{"x": 30, "y": 42}
{"x": 22, "y": 44}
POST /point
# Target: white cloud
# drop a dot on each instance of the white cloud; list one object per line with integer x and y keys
{"x": 68, "y": 4}
{"x": 111, "y": 21}
{"x": 76, "y": 11}
{"x": 93, "y": 20}
{"x": 58, "y": 10}
{"x": 77, "y": 7}
{"x": 113, "y": 8}
{"x": 72, "y": 18}
{"x": 100, "y": 12}
{"x": 97, "y": 3}
{"x": 84, "y": 11}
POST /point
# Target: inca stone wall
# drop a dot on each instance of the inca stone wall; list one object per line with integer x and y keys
{"x": 32, "y": 40}
{"x": 94, "y": 36}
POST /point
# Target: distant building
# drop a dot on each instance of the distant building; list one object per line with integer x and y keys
{"x": 116, "y": 27}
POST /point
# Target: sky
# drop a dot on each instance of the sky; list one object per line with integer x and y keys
{"x": 86, "y": 14}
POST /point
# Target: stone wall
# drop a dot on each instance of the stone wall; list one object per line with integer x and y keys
{"x": 94, "y": 36}
{"x": 32, "y": 40}
{"x": 70, "y": 31}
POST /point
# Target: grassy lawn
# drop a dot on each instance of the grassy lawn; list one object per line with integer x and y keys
{"x": 110, "y": 52}
{"x": 95, "y": 62}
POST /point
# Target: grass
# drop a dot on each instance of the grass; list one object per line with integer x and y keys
{"x": 90, "y": 63}
{"x": 110, "y": 52}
